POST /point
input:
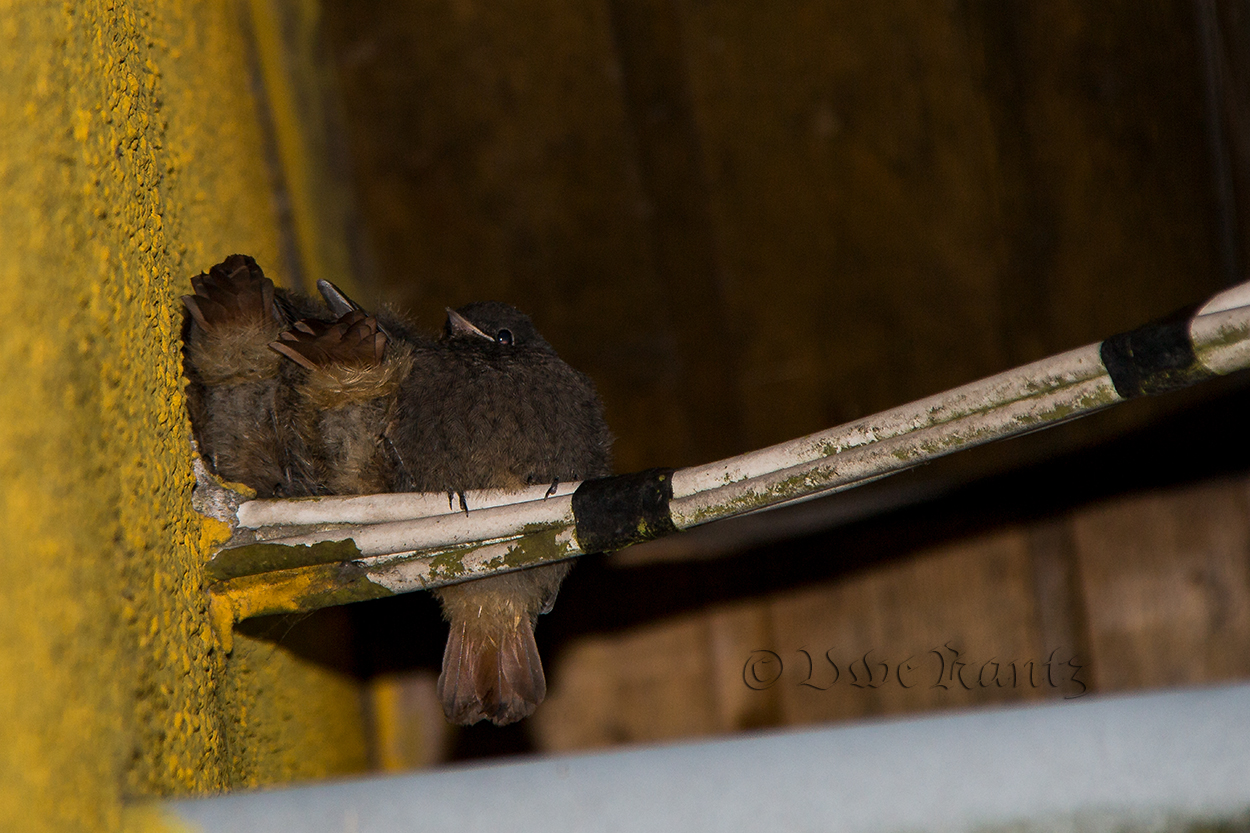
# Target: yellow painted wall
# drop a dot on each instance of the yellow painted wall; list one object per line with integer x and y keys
{"x": 131, "y": 157}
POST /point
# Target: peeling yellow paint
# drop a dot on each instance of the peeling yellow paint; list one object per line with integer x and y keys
{"x": 297, "y": 590}
{"x": 131, "y": 157}
{"x": 213, "y": 534}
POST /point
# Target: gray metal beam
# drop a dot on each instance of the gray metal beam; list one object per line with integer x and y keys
{"x": 1146, "y": 762}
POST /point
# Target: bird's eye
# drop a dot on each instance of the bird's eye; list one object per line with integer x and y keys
{"x": 503, "y": 337}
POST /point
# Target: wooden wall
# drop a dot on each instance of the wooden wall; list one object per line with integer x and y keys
{"x": 752, "y": 221}
{"x": 1138, "y": 592}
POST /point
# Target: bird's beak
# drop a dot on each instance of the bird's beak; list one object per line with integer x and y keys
{"x": 337, "y": 299}
{"x": 340, "y": 304}
{"x": 458, "y": 325}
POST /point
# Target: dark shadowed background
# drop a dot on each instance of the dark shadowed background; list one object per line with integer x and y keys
{"x": 752, "y": 221}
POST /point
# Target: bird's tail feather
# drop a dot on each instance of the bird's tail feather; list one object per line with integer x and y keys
{"x": 232, "y": 293}
{"x": 492, "y": 674}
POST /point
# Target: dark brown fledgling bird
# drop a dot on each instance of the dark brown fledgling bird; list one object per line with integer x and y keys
{"x": 346, "y": 399}
{"x": 488, "y": 406}
{"x": 240, "y": 393}
{"x": 365, "y": 406}
{"x": 493, "y": 407}
{"x": 308, "y": 426}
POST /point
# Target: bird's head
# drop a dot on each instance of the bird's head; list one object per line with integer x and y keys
{"x": 496, "y": 323}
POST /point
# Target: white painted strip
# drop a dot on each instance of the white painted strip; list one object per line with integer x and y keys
{"x": 371, "y": 509}
{"x": 871, "y": 461}
{"x": 447, "y": 530}
{"x": 1222, "y": 339}
{"x": 1024, "y": 399}
{"x": 409, "y": 572}
{"x": 1022, "y": 383}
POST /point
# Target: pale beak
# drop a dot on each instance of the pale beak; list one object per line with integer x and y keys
{"x": 336, "y": 299}
{"x": 458, "y": 325}
{"x": 340, "y": 304}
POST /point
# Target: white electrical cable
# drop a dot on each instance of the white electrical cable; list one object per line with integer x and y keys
{"x": 401, "y": 536}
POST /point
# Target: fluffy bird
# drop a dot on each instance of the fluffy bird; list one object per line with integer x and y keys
{"x": 496, "y": 408}
{"x": 362, "y": 405}
{"x": 240, "y": 393}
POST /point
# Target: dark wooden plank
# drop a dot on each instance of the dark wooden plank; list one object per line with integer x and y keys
{"x": 940, "y": 630}
{"x": 651, "y": 683}
{"x": 313, "y": 190}
{"x": 1061, "y": 619}
{"x": 649, "y": 45}
{"x": 494, "y": 159}
{"x": 1166, "y": 580}
{"x": 912, "y": 196}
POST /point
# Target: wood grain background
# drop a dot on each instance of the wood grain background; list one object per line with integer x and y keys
{"x": 753, "y": 221}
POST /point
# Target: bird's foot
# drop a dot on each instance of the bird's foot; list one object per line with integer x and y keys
{"x": 452, "y": 496}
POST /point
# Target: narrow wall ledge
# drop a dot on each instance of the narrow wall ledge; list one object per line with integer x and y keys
{"x": 1159, "y": 761}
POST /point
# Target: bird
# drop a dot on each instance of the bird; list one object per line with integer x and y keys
{"x": 308, "y": 426}
{"x": 240, "y": 394}
{"x": 496, "y": 408}
{"x": 345, "y": 398}
{"x": 292, "y": 397}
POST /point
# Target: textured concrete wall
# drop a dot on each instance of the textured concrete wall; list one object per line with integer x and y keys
{"x": 131, "y": 156}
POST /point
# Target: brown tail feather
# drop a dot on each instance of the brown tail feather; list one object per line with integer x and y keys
{"x": 352, "y": 340}
{"x": 497, "y": 676}
{"x": 456, "y": 684}
{"x": 234, "y": 292}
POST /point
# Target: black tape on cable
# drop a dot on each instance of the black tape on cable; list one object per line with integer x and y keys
{"x": 1155, "y": 358}
{"x": 613, "y": 512}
